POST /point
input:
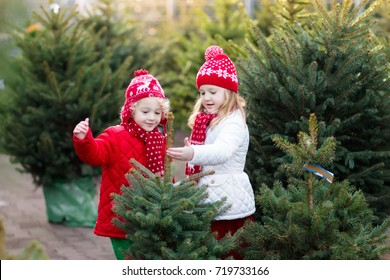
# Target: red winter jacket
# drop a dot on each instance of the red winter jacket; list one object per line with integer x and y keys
{"x": 111, "y": 150}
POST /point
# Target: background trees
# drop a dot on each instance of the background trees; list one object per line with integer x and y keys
{"x": 333, "y": 63}
{"x": 336, "y": 70}
{"x": 61, "y": 80}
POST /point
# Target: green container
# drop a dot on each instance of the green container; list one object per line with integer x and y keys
{"x": 71, "y": 202}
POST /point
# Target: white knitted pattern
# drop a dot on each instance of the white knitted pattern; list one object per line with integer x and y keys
{"x": 221, "y": 73}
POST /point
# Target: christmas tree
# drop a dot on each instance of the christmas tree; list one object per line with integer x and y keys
{"x": 335, "y": 69}
{"x": 315, "y": 216}
{"x": 61, "y": 80}
{"x": 166, "y": 220}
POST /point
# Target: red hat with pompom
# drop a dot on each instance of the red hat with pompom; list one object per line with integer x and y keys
{"x": 141, "y": 86}
{"x": 218, "y": 70}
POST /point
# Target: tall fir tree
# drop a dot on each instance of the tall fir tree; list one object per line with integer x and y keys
{"x": 336, "y": 70}
{"x": 313, "y": 217}
{"x": 60, "y": 82}
{"x": 169, "y": 221}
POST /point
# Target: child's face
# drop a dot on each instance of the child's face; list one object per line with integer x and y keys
{"x": 212, "y": 98}
{"x": 148, "y": 113}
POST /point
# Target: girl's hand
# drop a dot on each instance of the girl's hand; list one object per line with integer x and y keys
{"x": 81, "y": 129}
{"x": 185, "y": 153}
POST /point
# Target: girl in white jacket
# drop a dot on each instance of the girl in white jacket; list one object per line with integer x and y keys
{"x": 219, "y": 141}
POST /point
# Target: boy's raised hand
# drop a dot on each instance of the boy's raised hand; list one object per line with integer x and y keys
{"x": 81, "y": 129}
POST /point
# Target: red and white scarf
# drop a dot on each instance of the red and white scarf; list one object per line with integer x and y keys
{"x": 154, "y": 142}
{"x": 198, "y": 137}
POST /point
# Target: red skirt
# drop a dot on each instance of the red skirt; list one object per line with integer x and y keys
{"x": 222, "y": 227}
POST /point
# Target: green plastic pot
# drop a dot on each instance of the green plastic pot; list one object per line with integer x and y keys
{"x": 71, "y": 202}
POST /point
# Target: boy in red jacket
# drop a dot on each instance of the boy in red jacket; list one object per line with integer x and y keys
{"x": 136, "y": 137}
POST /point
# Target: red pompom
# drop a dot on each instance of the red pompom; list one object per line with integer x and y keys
{"x": 140, "y": 72}
{"x": 212, "y": 51}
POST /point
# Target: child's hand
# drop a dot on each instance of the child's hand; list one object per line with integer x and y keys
{"x": 187, "y": 142}
{"x": 81, "y": 129}
{"x": 185, "y": 153}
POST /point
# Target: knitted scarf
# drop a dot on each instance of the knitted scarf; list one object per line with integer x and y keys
{"x": 154, "y": 142}
{"x": 198, "y": 137}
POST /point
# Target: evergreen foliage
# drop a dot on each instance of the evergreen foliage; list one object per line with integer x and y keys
{"x": 312, "y": 218}
{"x": 222, "y": 19}
{"x": 336, "y": 70}
{"x": 119, "y": 36}
{"x": 166, "y": 220}
{"x": 11, "y": 14}
{"x": 61, "y": 81}
{"x": 289, "y": 11}
{"x": 185, "y": 54}
{"x": 264, "y": 16}
{"x": 381, "y": 17}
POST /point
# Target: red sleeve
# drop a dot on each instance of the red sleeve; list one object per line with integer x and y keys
{"x": 95, "y": 151}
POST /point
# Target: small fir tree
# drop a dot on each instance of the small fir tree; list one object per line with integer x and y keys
{"x": 336, "y": 70}
{"x": 166, "y": 220}
{"x": 312, "y": 218}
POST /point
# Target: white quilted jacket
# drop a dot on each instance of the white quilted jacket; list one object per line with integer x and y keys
{"x": 224, "y": 152}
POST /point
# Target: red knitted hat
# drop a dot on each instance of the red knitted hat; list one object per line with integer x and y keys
{"x": 218, "y": 70}
{"x": 141, "y": 86}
